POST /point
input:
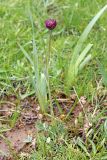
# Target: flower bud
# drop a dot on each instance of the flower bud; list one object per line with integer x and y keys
{"x": 50, "y": 24}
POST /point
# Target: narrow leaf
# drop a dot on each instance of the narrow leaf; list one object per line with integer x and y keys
{"x": 86, "y": 60}
{"x": 81, "y": 144}
{"x": 85, "y": 33}
{"x": 83, "y": 54}
{"x": 41, "y": 91}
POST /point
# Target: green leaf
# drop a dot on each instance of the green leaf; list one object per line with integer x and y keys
{"x": 85, "y": 34}
{"x": 105, "y": 127}
{"x": 41, "y": 91}
{"x": 86, "y": 60}
{"x": 81, "y": 144}
{"x": 83, "y": 54}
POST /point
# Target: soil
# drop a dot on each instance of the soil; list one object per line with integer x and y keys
{"x": 22, "y": 133}
{"x": 19, "y": 118}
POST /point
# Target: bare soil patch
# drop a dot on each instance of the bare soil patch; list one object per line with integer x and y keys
{"x": 20, "y": 136}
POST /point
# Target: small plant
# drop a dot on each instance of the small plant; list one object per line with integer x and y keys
{"x": 77, "y": 63}
{"x": 80, "y": 59}
{"x": 40, "y": 79}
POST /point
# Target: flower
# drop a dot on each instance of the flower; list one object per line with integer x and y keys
{"x": 50, "y": 24}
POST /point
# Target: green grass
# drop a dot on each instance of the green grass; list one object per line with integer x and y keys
{"x": 16, "y": 71}
{"x": 18, "y": 29}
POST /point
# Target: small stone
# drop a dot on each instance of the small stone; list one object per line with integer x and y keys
{"x": 48, "y": 140}
{"x": 83, "y": 100}
{"x": 40, "y": 116}
{"x": 38, "y": 108}
{"x": 73, "y": 97}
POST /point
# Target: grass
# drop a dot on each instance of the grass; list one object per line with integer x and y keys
{"x": 16, "y": 71}
{"x": 17, "y": 29}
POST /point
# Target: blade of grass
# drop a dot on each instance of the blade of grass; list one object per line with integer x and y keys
{"x": 103, "y": 73}
{"x": 26, "y": 54}
{"x": 81, "y": 144}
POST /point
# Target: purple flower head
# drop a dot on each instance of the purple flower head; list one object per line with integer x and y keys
{"x": 50, "y": 24}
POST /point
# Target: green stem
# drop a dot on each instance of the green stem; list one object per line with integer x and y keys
{"x": 49, "y": 52}
{"x": 47, "y": 71}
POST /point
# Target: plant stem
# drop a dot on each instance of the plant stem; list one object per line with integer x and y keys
{"x": 49, "y": 53}
{"x": 47, "y": 72}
